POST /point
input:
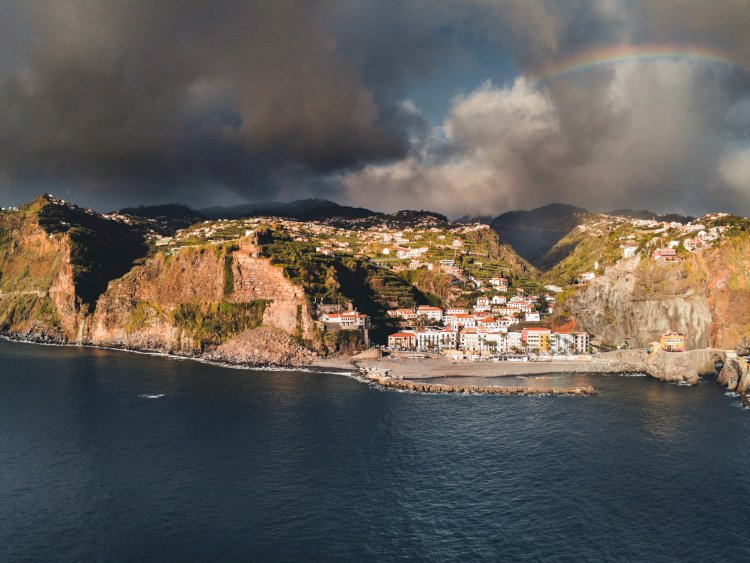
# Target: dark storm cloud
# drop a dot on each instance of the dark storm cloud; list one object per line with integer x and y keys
{"x": 145, "y": 98}
{"x": 130, "y": 101}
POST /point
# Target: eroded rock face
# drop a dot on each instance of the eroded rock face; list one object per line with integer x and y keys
{"x": 638, "y": 301}
{"x": 137, "y": 310}
{"x": 735, "y": 375}
{"x": 674, "y": 367}
{"x": 37, "y": 294}
{"x": 687, "y": 366}
{"x": 265, "y": 345}
{"x": 161, "y": 305}
{"x": 256, "y": 278}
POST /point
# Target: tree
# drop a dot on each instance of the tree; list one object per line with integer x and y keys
{"x": 331, "y": 283}
{"x": 541, "y": 305}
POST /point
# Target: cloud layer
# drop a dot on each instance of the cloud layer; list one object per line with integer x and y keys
{"x": 128, "y": 102}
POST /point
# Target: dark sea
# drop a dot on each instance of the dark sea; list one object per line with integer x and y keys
{"x": 227, "y": 464}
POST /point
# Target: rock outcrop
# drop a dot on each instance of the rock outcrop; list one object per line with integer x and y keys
{"x": 262, "y": 346}
{"x": 675, "y": 367}
{"x": 638, "y": 303}
{"x": 255, "y": 278}
{"x": 706, "y": 296}
{"x": 734, "y": 375}
{"x": 139, "y": 310}
{"x": 192, "y": 301}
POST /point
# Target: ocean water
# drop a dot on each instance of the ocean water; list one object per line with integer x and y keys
{"x": 114, "y": 456}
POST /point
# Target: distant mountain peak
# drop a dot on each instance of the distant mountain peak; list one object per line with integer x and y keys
{"x": 532, "y": 233}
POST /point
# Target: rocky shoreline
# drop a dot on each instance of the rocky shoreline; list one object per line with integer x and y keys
{"x": 233, "y": 359}
{"x": 265, "y": 350}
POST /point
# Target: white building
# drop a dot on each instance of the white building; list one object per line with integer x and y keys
{"x": 347, "y": 320}
{"x": 456, "y": 311}
{"x": 455, "y": 321}
{"x": 433, "y": 339}
{"x": 514, "y": 340}
{"x": 499, "y": 283}
{"x": 430, "y": 313}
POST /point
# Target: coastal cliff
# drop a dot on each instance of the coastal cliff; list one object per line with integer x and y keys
{"x": 196, "y": 300}
{"x": 72, "y": 276}
{"x": 705, "y": 296}
{"x": 637, "y": 302}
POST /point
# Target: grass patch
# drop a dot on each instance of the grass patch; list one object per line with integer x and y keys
{"x": 217, "y": 322}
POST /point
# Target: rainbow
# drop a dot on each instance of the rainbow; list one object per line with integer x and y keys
{"x": 608, "y": 56}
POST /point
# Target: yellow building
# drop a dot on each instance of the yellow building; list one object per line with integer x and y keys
{"x": 672, "y": 342}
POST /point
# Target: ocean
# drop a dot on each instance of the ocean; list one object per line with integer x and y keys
{"x": 109, "y": 455}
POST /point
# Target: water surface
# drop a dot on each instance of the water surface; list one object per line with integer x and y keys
{"x": 239, "y": 464}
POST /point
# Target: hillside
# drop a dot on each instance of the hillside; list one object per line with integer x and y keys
{"x": 166, "y": 219}
{"x": 307, "y": 209}
{"x": 704, "y": 293}
{"x": 132, "y": 279}
{"x": 534, "y": 233}
{"x": 56, "y": 259}
{"x": 68, "y": 274}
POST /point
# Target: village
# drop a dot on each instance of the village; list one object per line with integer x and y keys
{"x": 495, "y": 329}
{"x": 496, "y": 314}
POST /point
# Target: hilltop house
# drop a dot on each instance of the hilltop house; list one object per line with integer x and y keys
{"x": 499, "y": 283}
{"x": 665, "y": 254}
{"x": 406, "y": 314}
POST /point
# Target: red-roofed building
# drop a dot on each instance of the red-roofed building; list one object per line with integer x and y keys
{"x": 402, "y": 341}
{"x": 666, "y": 254}
{"x": 431, "y": 313}
{"x": 347, "y": 320}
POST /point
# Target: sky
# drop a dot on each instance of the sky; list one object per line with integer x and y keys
{"x": 466, "y": 107}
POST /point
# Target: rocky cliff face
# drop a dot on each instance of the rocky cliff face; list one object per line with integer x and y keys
{"x": 200, "y": 299}
{"x": 54, "y": 286}
{"x": 706, "y": 296}
{"x": 255, "y": 278}
{"x": 628, "y": 304}
{"x": 37, "y": 294}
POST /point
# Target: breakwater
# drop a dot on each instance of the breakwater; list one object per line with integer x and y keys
{"x": 420, "y": 387}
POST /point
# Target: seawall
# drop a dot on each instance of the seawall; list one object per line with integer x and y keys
{"x": 419, "y": 387}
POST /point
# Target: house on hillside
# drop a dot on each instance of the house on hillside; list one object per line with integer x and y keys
{"x": 348, "y": 320}
{"x": 665, "y": 254}
{"x": 430, "y": 313}
{"x": 499, "y": 283}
